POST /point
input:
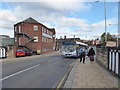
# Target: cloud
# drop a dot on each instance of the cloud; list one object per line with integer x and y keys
{"x": 55, "y": 1}
{"x": 51, "y": 14}
{"x": 45, "y": 12}
{"x": 7, "y": 32}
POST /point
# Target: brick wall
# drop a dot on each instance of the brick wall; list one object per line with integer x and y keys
{"x": 27, "y": 28}
{"x": 102, "y": 56}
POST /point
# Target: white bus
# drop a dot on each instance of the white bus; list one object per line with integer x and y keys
{"x": 71, "y": 48}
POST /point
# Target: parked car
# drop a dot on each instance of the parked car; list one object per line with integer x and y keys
{"x": 20, "y": 52}
{"x": 28, "y": 52}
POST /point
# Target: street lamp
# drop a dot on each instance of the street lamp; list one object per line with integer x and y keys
{"x": 105, "y": 20}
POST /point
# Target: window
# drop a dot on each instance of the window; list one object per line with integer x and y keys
{"x": 36, "y": 39}
{"x": 19, "y": 28}
{"x": 42, "y": 29}
{"x": 35, "y": 28}
{"x": 15, "y": 29}
{"x": 44, "y": 48}
{"x": 51, "y": 33}
{"x": 43, "y": 39}
{"x": 19, "y": 31}
{"x": 19, "y": 41}
{"x": 15, "y": 39}
{"x": 45, "y": 30}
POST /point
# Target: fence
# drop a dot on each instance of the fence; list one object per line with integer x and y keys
{"x": 2, "y": 52}
{"x": 102, "y": 56}
{"x": 114, "y": 60}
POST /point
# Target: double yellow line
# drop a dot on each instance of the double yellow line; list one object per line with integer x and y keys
{"x": 65, "y": 76}
{"x": 62, "y": 80}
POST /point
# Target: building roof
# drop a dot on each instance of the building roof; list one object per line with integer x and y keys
{"x": 33, "y": 21}
{"x": 4, "y": 36}
{"x": 53, "y": 30}
{"x": 30, "y": 20}
{"x": 7, "y": 41}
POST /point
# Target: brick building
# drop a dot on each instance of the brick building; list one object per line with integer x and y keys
{"x": 32, "y": 35}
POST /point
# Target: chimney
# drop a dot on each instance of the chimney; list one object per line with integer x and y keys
{"x": 64, "y": 37}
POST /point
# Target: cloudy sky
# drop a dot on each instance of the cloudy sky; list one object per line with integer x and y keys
{"x": 84, "y": 19}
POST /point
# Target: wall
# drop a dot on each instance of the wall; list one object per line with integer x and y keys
{"x": 10, "y": 53}
{"x": 102, "y": 56}
{"x": 28, "y": 29}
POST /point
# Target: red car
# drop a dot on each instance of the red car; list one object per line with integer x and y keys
{"x": 20, "y": 52}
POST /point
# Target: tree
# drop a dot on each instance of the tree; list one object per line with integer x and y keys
{"x": 103, "y": 37}
{"x": 109, "y": 37}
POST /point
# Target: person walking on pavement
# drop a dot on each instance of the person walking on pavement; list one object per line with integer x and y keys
{"x": 91, "y": 54}
{"x": 82, "y": 54}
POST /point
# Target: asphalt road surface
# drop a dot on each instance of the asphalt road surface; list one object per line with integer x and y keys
{"x": 39, "y": 72}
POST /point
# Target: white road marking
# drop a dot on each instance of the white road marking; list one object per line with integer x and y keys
{"x": 50, "y": 60}
{"x": 19, "y": 72}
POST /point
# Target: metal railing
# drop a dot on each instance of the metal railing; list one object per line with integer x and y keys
{"x": 29, "y": 40}
{"x": 114, "y": 60}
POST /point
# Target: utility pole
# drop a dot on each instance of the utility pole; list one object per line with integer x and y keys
{"x": 105, "y": 20}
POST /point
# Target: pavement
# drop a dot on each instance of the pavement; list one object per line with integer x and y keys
{"x": 13, "y": 59}
{"x": 91, "y": 75}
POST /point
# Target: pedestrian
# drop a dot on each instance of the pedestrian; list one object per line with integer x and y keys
{"x": 82, "y": 54}
{"x": 91, "y": 54}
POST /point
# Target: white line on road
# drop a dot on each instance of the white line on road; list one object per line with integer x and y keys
{"x": 50, "y": 60}
{"x": 19, "y": 72}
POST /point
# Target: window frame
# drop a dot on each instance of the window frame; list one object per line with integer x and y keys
{"x": 44, "y": 39}
{"x": 35, "y": 27}
{"x": 35, "y": 37}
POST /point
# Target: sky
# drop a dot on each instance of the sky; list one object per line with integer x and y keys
{"x": 81, "y": 18}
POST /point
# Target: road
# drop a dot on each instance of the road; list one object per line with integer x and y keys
{"x": 39, "y": 72}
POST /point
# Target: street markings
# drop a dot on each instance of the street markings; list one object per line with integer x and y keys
{"x": 19, "y": 72}
{"x": 50, "y": 60}
{"x": 65, "y": 76}
{"x": 63, "y": 79}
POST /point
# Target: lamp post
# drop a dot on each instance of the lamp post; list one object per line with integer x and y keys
{"x": 105, "y": 20}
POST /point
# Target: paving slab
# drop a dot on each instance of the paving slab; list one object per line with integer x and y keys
{"x": 91, "y": 75}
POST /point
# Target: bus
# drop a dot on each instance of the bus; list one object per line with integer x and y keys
{"x": 71, "y": 48}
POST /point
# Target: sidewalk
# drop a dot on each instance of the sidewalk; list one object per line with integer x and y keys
{"x": 12, "y": 59}
{"x": 90, "y": 75}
